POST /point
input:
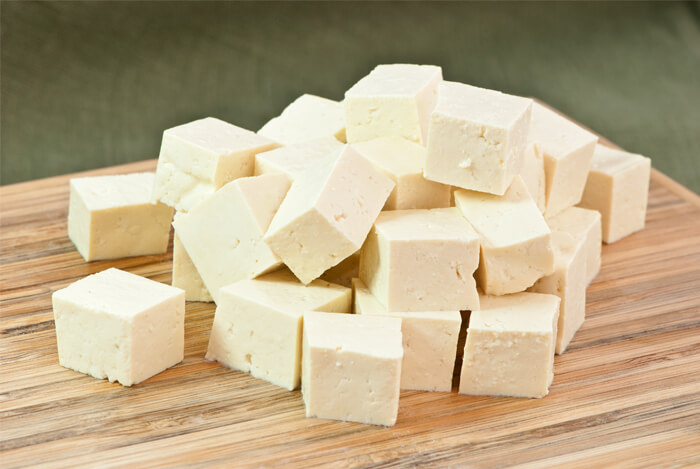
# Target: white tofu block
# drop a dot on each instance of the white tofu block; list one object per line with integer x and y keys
{"x": 429, "y": 341}
{"x": 567, "y": 150}
{"x": 223, "y": 234}
{"x": 477, "y": 138}
{"x": 510, "y": 346}
{"x": 109, "y": 324}
{"x": 308, "y": 117}
{"x": 618, "y": 187}
{"x": 351, "y": 367}
{"x": 403, "y": 161}
{"x": 568, "y": 282}
{"x": 585, "y": 226}
{"x": 185, "y": 275}
{"x": 327, "y": 213}
{"x": 516, "y": 243}
{"x": 112, "y": 216}
{"x": 422, "y": 260}
{"x": 343, "y": 273}
{"x": 296, "y": 158}
{"x": 533, "y": 174}
{"x": 393, "y": 100}
{"x": 258, "y": 324}
{"x": 200, "y": 157}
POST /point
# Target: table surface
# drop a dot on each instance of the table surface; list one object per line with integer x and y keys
{"x": 626, "y": 390}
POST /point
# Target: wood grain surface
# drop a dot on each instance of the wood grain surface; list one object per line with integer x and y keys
{"x": 626, "y": 393}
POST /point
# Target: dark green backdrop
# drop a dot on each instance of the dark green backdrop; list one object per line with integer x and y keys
{"x": 93, "y": 84}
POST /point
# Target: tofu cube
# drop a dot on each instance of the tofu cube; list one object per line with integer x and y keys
{"x": 618, "y": 187}
{"x": 585, "y": 226}
{"x": 351, "y": 367}
{"x": 568, "y": 282}
{"x": 343, "y": 273}
{"x": 429, "y": 341}
{"x": 567, "y": 149}
{"x": 109, "y": 324}
{"x": 393, "y": 100}
{"x": 532, "y": 174}
{"x": 202, "y": 156}
{"x": 186, "y": 276}
{"x": 258, "y": 324}
{"x": 477, "y": 138}
{"x": 510, "y": 346}
{"x": 516, "y": 243}
{"x": 403, "y": 161}
{"x": 112, "y": 216}
{"x": 223, "y": 234}
{"x": 327, "y": 213}
{"x": 294, "y": 159}
{"x": 422, "y": 260}
{"x": 307, "y": 118}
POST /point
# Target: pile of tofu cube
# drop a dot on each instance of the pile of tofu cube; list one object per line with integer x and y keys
{"x": 347, "y": 244}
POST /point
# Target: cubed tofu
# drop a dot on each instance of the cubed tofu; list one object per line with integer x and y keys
{"x": 422, "y": 260}
{"x": 308, "y": 117}
{"x": 294, "y": 159}
{"x": 510, "y": 346}
{"x": 585, "y": 226}
{"x": 618, "y": 187}
{"x": 429, "y": 341}
{"x": 393, "y": 100}
{"x": 533, "y": 174}
{"x": 202, "y": 156}
{"x": 403, "y": 161}
{"x": 223, "y": 234}
{"x": 112, "y": 216}
{"x": 186, "y": 276}
{"x": 516, "y": 243}
{"x": 567, "y": 150}
{"x": 568, "y": 282}
{"x": 327, "y": 213}
{"x": 351, "y": 367}
{"x": 258, "y": 324}
{"x": 477, "y": 138}
{"x": 109, "y": 324}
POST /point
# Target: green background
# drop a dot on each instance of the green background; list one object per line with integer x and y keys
{"x": 86, "y": 85}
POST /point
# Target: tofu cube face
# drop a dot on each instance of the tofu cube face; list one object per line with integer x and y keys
{"x": 403, "y": 162}
{"x": 421, "y": 260}
{"x": 258, "y": 324}
{"x": 568, "y": 282}
{"x": 618, "y": 187}
{"x": 186, "y": 276}
{"x": 294, "y": 159}
{"x": 516, "y": 243}
{"x": 510, "y": 346}
{"x": 351, "y": 367}
{"x": 533, "y": 176}
{"x": 223, "y": 234}
{"x": 476, "y": 138}
{"x": 309, "y": 117}
{"x": 110, "y": 217}
{"x": 429, "y": 341}
{"x": 327, "y": 213}
{"x": 585, "y": 226}
{"x": 109, "y": 324}
{"x": 202, "y": 156}
{"x": 393, "y": 100}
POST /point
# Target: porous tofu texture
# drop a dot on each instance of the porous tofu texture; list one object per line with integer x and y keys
{"x": 258, "y": 324}
{"x": 110, "y": 217}
{"x": 516, "y": 244}
{"x": 476, "y": 138}
{"x": 202, "y": 156}
{"x": 327, "y": 213}
{"x": 618, "y": 187}
{"x": 421, "y": 260}
{"x": 393, "y": 100}
{"x": 308, "y": 117}
{"x": 294, "y": 159}
{"x": 351, "y": 367}
{"x": 510, "y": 346}
{"x": 108, "y": 325}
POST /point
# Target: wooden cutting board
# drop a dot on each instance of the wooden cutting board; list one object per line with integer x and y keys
{"x": 627, "y": 391}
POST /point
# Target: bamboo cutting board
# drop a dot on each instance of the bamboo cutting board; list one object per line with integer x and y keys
{"x": 626, "y": 392}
